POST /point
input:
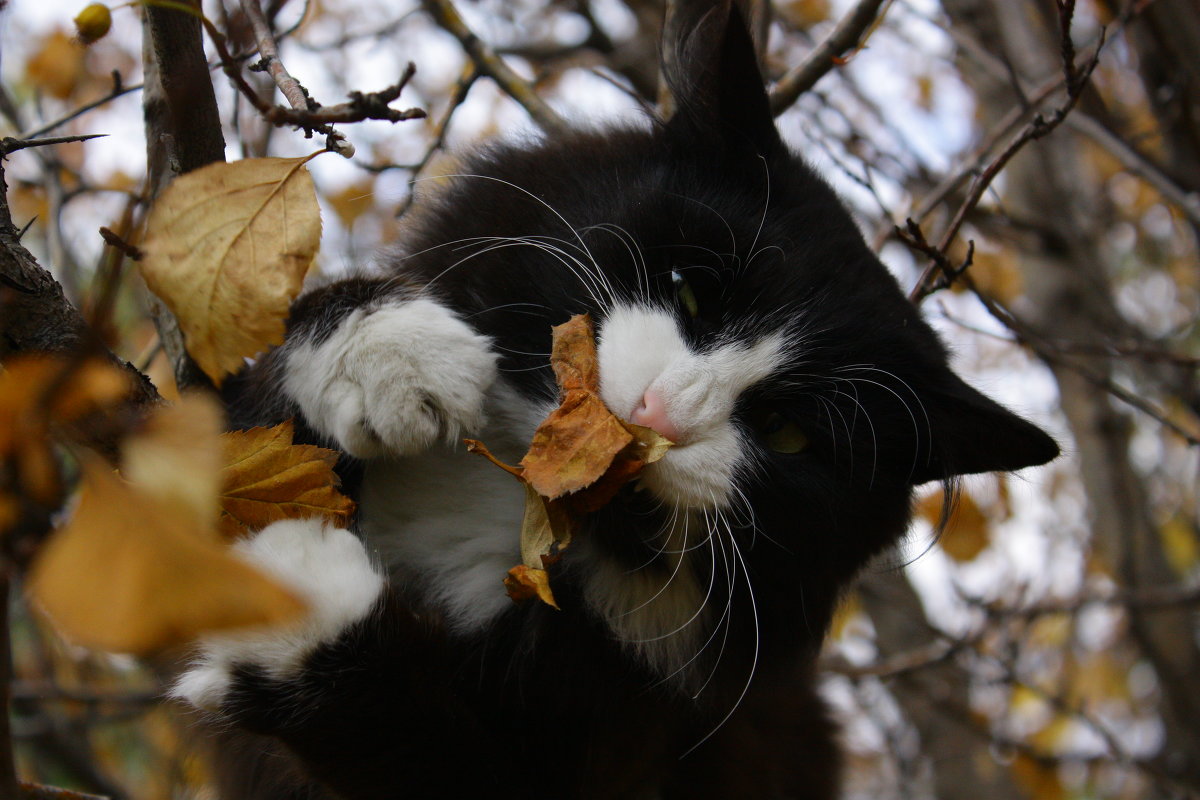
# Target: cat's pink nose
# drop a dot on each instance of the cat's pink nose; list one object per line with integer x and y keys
{"x": 652, "y": 414}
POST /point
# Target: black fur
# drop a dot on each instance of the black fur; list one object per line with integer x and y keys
{"x": 548, "y": 704}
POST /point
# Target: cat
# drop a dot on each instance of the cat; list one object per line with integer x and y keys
{"x": 739, "y": 313}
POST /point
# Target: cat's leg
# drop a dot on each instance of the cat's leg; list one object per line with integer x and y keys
{"x": 376, "y": 371}
{"x": 361, "y": 689}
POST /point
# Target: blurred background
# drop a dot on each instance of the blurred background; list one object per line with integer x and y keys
{"x": 1046, "y": 645}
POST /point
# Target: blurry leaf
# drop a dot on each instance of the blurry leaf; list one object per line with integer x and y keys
{"x": 846, "y": 611}
{"x": 132, "y": 573}
{"x": 1037, "y": 779}
{"x": 39, "y": 393}
{"x": 226, "y": 248}
{"x": 266, "y": 478}
{"x": 1053, "y": 735}
{"x": 1098, "y": 678}
{"x": 352, "y": 201}
{"x": 805, "y": 13}
{"x": 925, "y": 91}
{"x": 1178, "y": 537}
{"x": 56, "y": 66}
{"x": 967, "y": 532}
{"x": 998, "y": 273}
{"x": 177, "y": 456}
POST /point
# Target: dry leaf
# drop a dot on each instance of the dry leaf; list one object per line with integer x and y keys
{"x": 38, "y": 392}
{"x": 177, "y": 456}
{"x": 525, "y": 583}
{"x": 131, "y": 573}
{"x": 580, "y": 457}
{"x": 226, "y": 248}
{"x": 267, "y": 478}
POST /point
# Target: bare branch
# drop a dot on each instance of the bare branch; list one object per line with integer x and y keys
{"x": 490, "y": 64}
{"x": 846, "y": 35}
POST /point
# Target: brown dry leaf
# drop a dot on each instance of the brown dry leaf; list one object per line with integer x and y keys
{"x": 226, "y": 248}
{"x": 130, "y": 573}
{"x": 580, "y": 457}
{"x": 266, "y": 478}
{"x": 177, "y": 456}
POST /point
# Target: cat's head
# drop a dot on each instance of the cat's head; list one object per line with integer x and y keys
{"x": 739, "y": 312}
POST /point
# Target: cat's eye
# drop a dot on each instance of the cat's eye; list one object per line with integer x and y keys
{"x": 782, "y": 435}
{"x": 685, "y": 295}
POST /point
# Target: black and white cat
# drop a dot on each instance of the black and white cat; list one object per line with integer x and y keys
{"x": 740, "y": 313}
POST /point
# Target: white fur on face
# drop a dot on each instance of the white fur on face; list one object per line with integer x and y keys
{"x": 641, "y": 348}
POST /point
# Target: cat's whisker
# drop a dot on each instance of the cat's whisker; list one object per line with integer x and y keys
{"x": 916, "y": 397}
{"x": 757, "y": 647}
{"x": 578, "y": 268}
{"x": 640, "y": 270}
{"x": 718, "y": 215}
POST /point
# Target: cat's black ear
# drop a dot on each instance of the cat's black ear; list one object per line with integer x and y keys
{"x": 971, "y": 433}
{"x": 711, "y": 69}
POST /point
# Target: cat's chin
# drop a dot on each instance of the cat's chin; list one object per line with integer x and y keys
{"x": 696, "y": 476}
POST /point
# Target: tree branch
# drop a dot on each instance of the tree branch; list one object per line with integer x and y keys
{"x": 846, "y": 34}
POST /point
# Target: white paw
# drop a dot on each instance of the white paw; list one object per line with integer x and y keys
{"x": 326, "y": 566}
{"x": 396, "y": 380}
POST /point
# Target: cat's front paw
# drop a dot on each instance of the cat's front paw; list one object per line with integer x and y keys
{"x": 394, "y": 380}
{"x": 328, "y": 567}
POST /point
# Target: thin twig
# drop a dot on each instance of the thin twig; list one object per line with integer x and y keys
{"x": 490, "y": 64}
{"x": 9, "y": 145}
{"x": 1075, "y": 79}
{"x": 117, "y": 91}
{"x": 845, "y": 35}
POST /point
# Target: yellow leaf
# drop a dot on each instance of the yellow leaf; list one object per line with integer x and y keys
{"x": 1037, "y": 779}
{"x": 177, "y": 455}
{"x": 56, "y": 67}
{"x": 967, "y": 532}
{"x": 267, "y": 478}
{"x": 226, "y": 248}
{"x": 129, "y": 573}
{"x": 1180, "y": 545}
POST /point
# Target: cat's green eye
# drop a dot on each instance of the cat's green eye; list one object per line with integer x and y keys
{"x": 685, "y": 295}
{"x": 782, "y": 435}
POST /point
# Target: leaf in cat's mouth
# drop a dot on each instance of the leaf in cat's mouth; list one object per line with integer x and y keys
{"x": 580, "y": 457}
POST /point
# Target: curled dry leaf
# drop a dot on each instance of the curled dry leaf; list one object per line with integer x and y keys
{"x": 266, "y": 478}
{"x": 226, "y": 248}
{"x": 134, "y": 573}
{"x": 580, "y": 457}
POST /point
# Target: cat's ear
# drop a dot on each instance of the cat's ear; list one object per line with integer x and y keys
{"x": 971, "y": 433}
{"x": 711, "y": 70}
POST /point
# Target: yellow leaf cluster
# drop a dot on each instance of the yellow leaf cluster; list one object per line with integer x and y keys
{"x": 57, "y": 66}
{"x": 227, "y": 247}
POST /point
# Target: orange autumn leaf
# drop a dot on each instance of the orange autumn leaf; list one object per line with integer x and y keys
{"x": 580, "y": 457}
{"x": 266, "y": 478}
{"x": 135, "y": 573}
{"x": 39, "y": 393}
